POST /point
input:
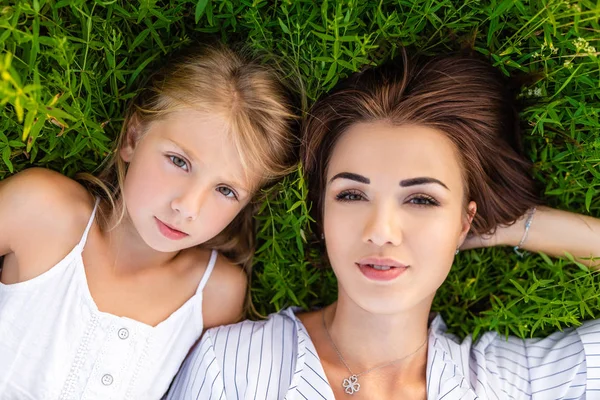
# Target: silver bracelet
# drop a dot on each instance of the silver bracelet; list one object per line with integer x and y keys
{"x": 527, "y": 226}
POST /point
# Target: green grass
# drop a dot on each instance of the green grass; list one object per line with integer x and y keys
{"x": 67, "y": 69}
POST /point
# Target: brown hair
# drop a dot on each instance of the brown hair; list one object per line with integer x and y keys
{"x": 261, "y": 118}
{"x": 460, "y": 95}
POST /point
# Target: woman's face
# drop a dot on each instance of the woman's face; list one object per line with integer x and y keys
{"x": 394, "y": 214}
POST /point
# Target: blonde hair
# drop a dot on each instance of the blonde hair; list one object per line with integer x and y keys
{"x": 261, "y": 125}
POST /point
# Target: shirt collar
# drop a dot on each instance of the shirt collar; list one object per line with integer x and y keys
{"x": 445, "y": 378}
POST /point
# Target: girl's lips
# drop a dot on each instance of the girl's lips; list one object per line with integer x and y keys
{"x": 169, "y": 232}
{"x": 379, "y": 274}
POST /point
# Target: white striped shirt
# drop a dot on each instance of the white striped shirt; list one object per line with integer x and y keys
{"x": 276, "y": 359}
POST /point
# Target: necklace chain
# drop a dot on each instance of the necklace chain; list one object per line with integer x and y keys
{"x": 351, "y": 384}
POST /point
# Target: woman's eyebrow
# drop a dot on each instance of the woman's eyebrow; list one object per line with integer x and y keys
{"x": 352, "y": 176}
{"x": 421, "y": 181}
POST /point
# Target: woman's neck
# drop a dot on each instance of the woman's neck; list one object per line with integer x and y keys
{"x": 366, "y": 340}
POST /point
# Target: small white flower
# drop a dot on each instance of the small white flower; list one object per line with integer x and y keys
{"x": 581, "y": 44}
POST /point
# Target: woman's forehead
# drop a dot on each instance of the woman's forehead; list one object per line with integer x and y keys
{"x": 398, "y": 151}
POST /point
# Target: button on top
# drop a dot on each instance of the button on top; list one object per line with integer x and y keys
{"x": 107, "y": 379}
{"x": 123, "y": 333}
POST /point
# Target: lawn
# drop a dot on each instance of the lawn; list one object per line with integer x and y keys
{"x": 68, "y": 68}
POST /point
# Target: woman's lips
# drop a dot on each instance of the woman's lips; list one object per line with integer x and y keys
{"x": 169, "y": 232}
{"x": 381, "y": 269}
{"x": 369, "y": 271}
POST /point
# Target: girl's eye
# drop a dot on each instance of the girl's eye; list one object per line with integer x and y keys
{"x": 227, "y": 192}
{"x": 179, "y": 162}
{"x": 350, "y": 195}
{"x": 423, "y": 200}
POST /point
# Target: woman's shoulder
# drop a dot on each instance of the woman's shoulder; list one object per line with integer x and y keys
{"x": 257, "y": 356}
{"x": 282, "y": 323}
{"x": 561, "y": 365}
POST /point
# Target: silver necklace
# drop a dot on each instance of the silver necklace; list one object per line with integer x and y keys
{"x": 351, "y": 384}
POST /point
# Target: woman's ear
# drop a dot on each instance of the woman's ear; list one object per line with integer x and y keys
{"x": 467, "y": 221}
{"x": 133, "y": 135}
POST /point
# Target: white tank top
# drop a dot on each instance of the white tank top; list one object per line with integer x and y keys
{"x": 56, "y": 344}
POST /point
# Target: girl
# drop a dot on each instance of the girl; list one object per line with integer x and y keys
{"x": 102, "y": 298}
{"x": 402, "y": 162}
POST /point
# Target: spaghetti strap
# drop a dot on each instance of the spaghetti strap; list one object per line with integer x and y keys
{"x": 81, "y": 244}
{"x": 209, "y": 269}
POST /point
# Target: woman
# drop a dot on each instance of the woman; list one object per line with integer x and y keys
{"x": 402, "y": 162}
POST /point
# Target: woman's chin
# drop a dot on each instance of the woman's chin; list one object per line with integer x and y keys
{"x": 390, "y": 302}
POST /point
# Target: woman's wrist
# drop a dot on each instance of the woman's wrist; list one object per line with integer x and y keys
{"x": 526, "y": 220}
{"x": 517, "y": 234}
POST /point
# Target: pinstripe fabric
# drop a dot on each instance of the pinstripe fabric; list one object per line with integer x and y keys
{"x": 275, "y": 359}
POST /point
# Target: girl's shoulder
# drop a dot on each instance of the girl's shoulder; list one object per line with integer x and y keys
{"x": 45, "y": 210}
{"x": 39, "y": 186}
{"x": 46, "y": 194}
{"x": 225, "y": 292}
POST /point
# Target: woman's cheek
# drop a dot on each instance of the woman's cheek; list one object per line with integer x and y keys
{"x": 444, "y": 239}
{"x": 339, "y": 223}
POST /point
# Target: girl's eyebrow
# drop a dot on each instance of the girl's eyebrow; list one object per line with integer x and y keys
{"x": 237, "y": 184}
{"x": 182, "y": 148}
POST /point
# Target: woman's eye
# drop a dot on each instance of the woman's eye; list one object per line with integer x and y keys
{"x": 227, "y": 192}
{"x": 424, "y": 201}
{"x": 179, "y": 162}
{"x": 349, "y": 196}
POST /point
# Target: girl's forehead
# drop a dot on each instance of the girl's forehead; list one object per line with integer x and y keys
{"x": 206, "y": 140}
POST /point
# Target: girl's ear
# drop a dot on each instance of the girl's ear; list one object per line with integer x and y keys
{"x": 132, "y": 137}
{"x": 466, "y": 225}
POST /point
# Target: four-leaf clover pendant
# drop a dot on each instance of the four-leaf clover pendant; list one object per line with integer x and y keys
{"x": 351, "y": 384}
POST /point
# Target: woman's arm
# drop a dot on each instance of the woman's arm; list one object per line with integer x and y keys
{"x": 553, "y": 232}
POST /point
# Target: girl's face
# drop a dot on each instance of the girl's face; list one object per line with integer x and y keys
{"x": 394, "y": 214}
{"x": 185, "y": 182}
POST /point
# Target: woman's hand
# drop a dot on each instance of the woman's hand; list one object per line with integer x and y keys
{"x": 553, "y": 232}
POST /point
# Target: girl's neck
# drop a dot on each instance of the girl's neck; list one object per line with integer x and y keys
{"x": 368, "y": 340}
{"x": 129, "y": 251}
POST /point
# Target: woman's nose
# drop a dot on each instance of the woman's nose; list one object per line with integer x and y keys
{"x": 383, "y": 226}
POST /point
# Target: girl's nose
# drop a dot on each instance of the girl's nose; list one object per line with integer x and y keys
{"x": 189, "y": 203}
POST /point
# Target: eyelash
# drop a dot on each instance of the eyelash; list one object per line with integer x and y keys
{"x": 172, "y": 158}
{"x": 346, "y": 194}
{"x": 231, "y": 195}
{"x": 231, "y": 191}
{"x": 431, "y": 202}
